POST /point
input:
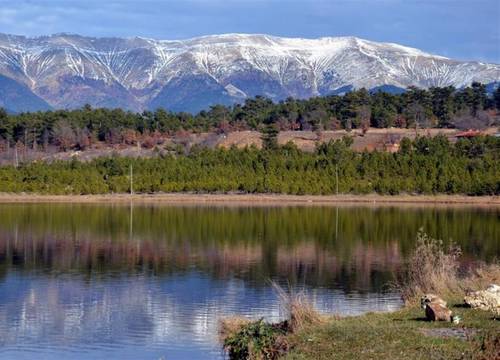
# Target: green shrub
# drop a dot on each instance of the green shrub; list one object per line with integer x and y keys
{"x": 257, "y": 340}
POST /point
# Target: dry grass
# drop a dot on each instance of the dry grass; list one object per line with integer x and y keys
{"x": 481, "y": 277}
{"x": 300, "y": 314}
{"x": 488, "y": 347}
{"x": 245, "y": 339}
{"x": 300, "y": 311}
{"x": 231, "y": 325}
{"x": 434, "y": 268}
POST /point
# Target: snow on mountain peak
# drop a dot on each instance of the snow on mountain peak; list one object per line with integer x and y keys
{"x": 144, "y": 70}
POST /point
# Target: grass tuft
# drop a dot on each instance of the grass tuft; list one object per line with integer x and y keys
{"x": 432, "y": 268}
{"x": 231, "y": 325}
{"x": 244, "y": 339}
{"x": 300, "y": 311}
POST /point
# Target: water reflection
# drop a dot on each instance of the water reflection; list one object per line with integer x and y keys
{"x": 139, "y": 317}
{"x": 80, "y": 281}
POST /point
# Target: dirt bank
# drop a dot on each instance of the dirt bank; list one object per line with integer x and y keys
{"x": 258, "y": 199}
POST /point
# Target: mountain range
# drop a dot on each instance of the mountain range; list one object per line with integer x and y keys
{"x": 68, "y": 71}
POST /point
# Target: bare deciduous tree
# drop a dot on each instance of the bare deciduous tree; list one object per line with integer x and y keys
{"x": 64, "y": 135}
{"x": 466, "y": 120}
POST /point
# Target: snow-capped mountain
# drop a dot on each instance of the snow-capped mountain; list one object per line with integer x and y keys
{"x": 69, "y": 71}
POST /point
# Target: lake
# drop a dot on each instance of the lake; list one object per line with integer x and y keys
{"x": 88, "y": 281}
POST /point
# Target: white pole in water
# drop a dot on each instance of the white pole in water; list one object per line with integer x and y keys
{"x": 131, "y": 180}
{"x": 337, "y": 224}
{"x": 131, "y": 220}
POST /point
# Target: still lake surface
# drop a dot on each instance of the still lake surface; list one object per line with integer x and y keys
{"x": 151, "y": 282}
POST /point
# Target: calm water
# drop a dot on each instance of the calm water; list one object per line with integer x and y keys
{"x": 151, "y": 282}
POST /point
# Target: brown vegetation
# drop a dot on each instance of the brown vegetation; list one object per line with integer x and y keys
{"x": 301, "y": 313}
{"x": 435, "y": 268}
{"x": 488, "y": 347}
{"x": 432, "y": 268}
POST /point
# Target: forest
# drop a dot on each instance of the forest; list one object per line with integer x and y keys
{"x": 423, "y": 166}
{"x": 442, "y": 107}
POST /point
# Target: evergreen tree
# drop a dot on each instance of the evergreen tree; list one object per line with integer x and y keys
{"x": 496, "y": 98}
{"x": 269, "y": 137}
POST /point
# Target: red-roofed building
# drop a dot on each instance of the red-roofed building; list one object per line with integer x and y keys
{"x": 468, "y": 134}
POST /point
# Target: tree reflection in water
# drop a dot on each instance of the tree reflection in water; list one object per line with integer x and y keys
{"x": 155, "y": 279}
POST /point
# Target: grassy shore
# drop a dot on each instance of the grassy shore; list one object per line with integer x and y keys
{"x": 400, "y": 335}
{"x": 257, "y": 199}
{"x": 403, "y": 334}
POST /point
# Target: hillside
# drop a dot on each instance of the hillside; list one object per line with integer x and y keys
{"x": 16, "y": 97}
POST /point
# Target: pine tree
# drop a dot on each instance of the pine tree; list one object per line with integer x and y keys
{"x": 269, "y": 137}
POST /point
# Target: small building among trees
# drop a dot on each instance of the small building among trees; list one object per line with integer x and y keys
{"x": 468, "y": 134}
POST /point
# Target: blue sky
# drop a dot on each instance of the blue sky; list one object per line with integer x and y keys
{"x": 462, "y": 29}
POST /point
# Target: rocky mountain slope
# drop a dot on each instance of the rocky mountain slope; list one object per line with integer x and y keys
{"x": 68, "y": 71}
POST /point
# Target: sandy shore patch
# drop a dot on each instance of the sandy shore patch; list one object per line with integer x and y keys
{"x": 258, "y": 199}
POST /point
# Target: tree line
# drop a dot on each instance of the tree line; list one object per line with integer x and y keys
{"x": 423, "y": 166}
{"x": 469, "y": 107}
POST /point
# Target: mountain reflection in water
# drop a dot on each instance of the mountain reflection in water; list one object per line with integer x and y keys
{"x": 145, "y": 281}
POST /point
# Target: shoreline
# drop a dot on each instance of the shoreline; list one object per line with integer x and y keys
{"x": 257, "y": 199}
